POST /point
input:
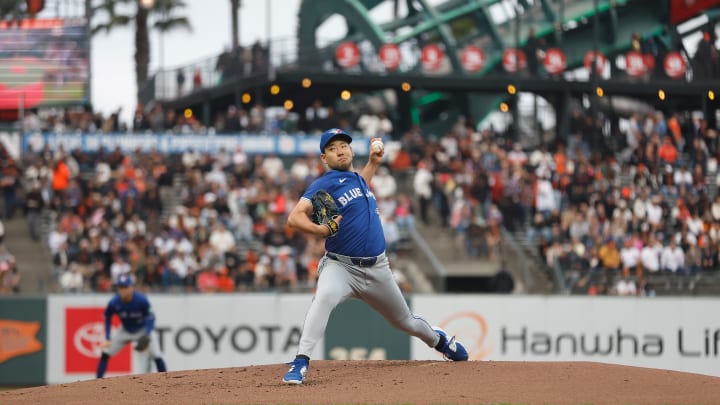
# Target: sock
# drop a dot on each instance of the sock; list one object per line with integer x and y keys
{"x": 102, "y": 365}
{"x": 302, "y": 356}
{"x": 160, "y": 364}
{"x": 441, "y": 343}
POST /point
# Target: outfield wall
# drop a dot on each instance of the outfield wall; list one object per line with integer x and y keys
{"x": 57, "y": 339}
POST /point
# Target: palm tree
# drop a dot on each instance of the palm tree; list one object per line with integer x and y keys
{"x": 234, "y": 7}
{"x": 164, "y": 21}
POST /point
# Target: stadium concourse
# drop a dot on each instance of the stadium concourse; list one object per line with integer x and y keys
{"x": 641, "y": 207}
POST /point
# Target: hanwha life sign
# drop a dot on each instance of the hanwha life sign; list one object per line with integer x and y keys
{"x": 600, "y": 60}
{"x": 347, "y": 54}
{"x": 555, "y": 61}
{"x": 675, "y": 65}
{"x": 432, "y": 57}
{"x": 635, "y": 64}
{"x": 472, "y": 58}
{"x": 390, "y": 56}
{"x": 513, "y": 60}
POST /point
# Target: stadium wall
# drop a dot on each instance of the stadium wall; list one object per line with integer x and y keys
{"x": 63, "y": 332}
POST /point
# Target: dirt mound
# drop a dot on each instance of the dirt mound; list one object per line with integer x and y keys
{"x": 391, "y": 382}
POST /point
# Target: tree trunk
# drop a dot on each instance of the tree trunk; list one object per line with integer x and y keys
{"x": 235, "y": 5}
{"x": 142, "y": 47}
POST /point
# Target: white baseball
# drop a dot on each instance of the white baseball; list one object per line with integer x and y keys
{"x": 377, "y": 146}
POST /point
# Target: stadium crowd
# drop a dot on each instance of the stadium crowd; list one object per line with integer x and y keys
{"x": 607, "y": 208}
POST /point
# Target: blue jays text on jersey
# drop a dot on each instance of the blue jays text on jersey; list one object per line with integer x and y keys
{"x": 361, "y": 233}
{"x": 134, "y": 315}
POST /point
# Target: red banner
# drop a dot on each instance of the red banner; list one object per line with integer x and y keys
{"x": 390, "y": 56}
{"x": 432, "y": 57}
{"x": 84, "y": 335}
{"x": 347, "y": 54}
{"x": 675, "y": 65}
{"x": 681, "y": 10}
{"x": 555, "y": 61}
{"x": 472, "y": 58}
{"x": 635, "y": 64}
{"x": 600, "y": 61}
{"x": 513, "y": 60}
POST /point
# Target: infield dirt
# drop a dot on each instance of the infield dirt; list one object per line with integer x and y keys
{"x": 391, "y": 382}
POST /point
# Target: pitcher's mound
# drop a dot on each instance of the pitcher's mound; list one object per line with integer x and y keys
{"x": 391, "y": 382}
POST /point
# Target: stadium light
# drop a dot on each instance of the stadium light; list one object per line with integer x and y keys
{"x": 405, "y": 86}
{"x": 246, "y": 98}
{"x": 711, "y": 95}
{"x": 504, "y": 107}
{"x": 661, "y": 94}
{"x": 345, "y": 95}
{"x": 288, "y": 105}
{"x": 599, "y": 91}
{"x": 511, "y": 89}
{"x": 274, "y": 89}
{"x": 306, "y": 83}
{"x": 147, "y": 4}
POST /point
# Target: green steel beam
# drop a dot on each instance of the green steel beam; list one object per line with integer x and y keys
{"x": 550, "y": 14}
{"x": 371, "y": 4}
{"x": 313, "y": 13}
{"x": 492, "y": 29}
{"x": 445, "y": 35}
{"x": 614, "y": 25}
{"x": 443, "y": 18}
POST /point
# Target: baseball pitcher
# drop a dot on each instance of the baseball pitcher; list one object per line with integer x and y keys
{"x": 138, "y": 324}
{"x": 340, "y": 207}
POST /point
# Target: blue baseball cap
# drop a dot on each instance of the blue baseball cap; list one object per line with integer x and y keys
{"x": 329, "y": 135}
{"x": 124, "y": 280}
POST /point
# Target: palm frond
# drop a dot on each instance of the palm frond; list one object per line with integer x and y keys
{"x": 172, "y": 24}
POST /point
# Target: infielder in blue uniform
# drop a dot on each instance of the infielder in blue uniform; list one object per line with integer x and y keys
{"x": 354, "y": 265}
{"x": 138, "y": 321}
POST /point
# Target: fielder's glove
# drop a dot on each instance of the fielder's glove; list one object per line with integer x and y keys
{"x": 325, "y": 211}
{"x": 142, "y": 343}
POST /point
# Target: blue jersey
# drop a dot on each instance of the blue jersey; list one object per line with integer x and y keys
{"x": 361, "y": 233}
{"x": 134, "y": 315}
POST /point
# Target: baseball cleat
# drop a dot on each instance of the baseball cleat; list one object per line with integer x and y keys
{"x": 298, "y": 371}
{"x": 452, "y": 349}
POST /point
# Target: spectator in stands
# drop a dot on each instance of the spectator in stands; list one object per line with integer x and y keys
{"x": 625, "y": 287}
{"x": 391, "y": 230}
{"x": 650, "y": 254}
{"x": 384, "y": 184}
{"x": 422, "y": 185}
{"x": 180, "y": 81}
{"x": 630, "y": 258}
{"x": 285, "y": 269}
{"x": 34, "y": 204}
{"x": 461, "y": 217}
{"x": 609, "y": 257}
{"x": 10, "y": 185}
{"x": 71, "y": 280}
{"x": 706, "y": 61}
{"x": 668, "y": 153}
{"x": 9, "y": 275}
{"x": 672, "y": 258}
{"x": 534, "y": 52}
{"x": 197, "y": 79}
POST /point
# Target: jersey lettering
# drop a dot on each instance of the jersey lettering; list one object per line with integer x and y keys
{"x": 350, "y": 195}
{"x": 353, "y": 194}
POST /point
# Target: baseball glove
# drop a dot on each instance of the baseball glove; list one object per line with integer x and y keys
{"x": 325, "y": 211}
{"x": 142, "y": 343}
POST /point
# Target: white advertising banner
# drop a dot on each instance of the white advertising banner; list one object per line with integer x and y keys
{"x": 680, "y": 334}
{"x": 195, "y": 332}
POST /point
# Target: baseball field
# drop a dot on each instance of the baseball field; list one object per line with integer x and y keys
{"x": 392, "y": 382}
